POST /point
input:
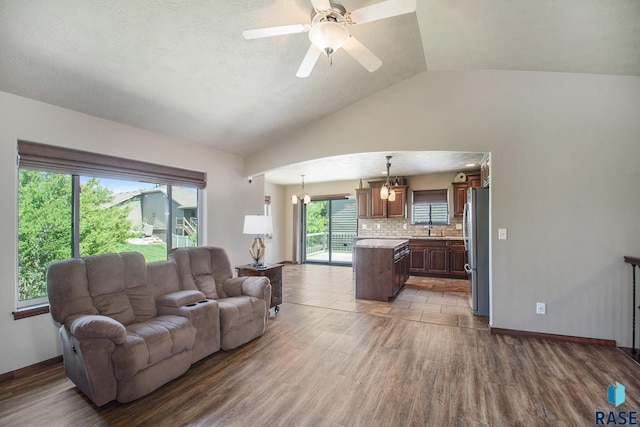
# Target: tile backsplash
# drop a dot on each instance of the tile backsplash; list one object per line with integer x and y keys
{"x": 396, "y": 228}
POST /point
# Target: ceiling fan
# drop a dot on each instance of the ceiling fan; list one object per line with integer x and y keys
{"x": 328, "y": 31}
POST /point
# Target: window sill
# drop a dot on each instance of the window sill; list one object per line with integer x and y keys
{"x": 37, "y": 310}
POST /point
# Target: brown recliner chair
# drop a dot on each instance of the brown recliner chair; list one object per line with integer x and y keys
{"x": 115, "y": 344}
{"x": 243, "y": 301}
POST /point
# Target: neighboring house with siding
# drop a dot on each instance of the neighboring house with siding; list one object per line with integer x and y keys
{"x": 148, "y": 210}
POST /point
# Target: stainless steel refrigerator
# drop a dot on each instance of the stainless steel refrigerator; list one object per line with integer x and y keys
{"x": 475, "y": 228}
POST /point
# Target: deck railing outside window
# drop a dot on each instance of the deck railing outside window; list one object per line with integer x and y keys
{"x": 319, "y": 242}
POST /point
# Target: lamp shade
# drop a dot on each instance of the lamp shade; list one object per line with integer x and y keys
{"x": 328, "y": 36}
{"x": 257, "y": 224}
{"x": 384, "y": 192}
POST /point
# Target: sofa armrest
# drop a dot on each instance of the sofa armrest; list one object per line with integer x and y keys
{"x": 94, "y": 326}
{"x": 257, "y": 286}
{"x": 180, "y": 298}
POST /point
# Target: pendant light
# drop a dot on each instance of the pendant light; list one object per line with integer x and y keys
{"x": 386, "y": 191}
{"x": 302, "y": 196}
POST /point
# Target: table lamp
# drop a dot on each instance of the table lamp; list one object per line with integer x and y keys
{"x": 257, "y": 224}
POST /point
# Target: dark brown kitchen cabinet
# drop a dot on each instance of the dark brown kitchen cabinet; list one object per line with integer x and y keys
{"x": 457, "y": 259}
{"x": 381, "y": 268}
{"x": 459, "y": 198}
{"x": 460, "y": 192}
{"x": 474, "y": 180}
{"x": 371, "y": 205}
{"x": 398, "y": 208}
{"x": 378, "y": 207}
{"x": 437, "y": 258}
{"x": 362, "y": 202}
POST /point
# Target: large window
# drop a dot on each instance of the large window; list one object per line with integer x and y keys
{"x": 63, "y": 212}
{"x": 430, "y": 207}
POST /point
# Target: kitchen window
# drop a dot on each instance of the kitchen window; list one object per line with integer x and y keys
{"x": 73, "y": 203}
{"x": 430, "y": 207}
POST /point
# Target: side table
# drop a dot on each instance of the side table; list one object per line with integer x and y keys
{"x": 274, "y": 273}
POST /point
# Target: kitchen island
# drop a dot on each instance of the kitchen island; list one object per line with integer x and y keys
{"x": 381, "y": 267}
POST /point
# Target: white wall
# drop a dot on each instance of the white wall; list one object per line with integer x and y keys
{"x": 227, "y": 199}
{"x": 276, "y": 246}
{"x": 564, "y": 181}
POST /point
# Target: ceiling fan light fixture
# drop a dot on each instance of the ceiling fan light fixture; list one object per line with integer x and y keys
{"x": 328, "y": 36}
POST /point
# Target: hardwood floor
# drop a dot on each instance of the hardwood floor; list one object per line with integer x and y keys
{"x": 423, "y": 299}
{"x": 320, "y": 366}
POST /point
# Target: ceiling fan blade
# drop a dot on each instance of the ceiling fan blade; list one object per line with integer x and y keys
{"x": 321, "y": 5}
{"x": 275, "y": 31}
{"x": 309, "y": 61}
{"x": 384, "y": 9}
{"x": 361, "y": 54}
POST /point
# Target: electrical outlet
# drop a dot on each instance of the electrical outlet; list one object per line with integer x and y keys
{"x": 378, "y": 226}
{"x": 541, "y": 308}
{"x": 458, "y": 226}
{"x": 364, "y": 226}
{"x": 502, "y": 233}
{"x": 404, "y": 226}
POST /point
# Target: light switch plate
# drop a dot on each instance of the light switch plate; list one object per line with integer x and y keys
{"x": 502, "y": 233}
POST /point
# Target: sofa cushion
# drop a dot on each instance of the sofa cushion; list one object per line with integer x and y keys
{"x": 163, "y": 277}
{"x": 130, "y": 357}
{"x": 152, "y": 341}
{"x": 236, "y": 311}
{"x": 206, "y": 284}
{"x": 68, "y": 290}
{"x": 105, "y": 277}
{"x": 137, "y": 288}
{"x": 203, "y": 268}
{"x": 142, "y": 302}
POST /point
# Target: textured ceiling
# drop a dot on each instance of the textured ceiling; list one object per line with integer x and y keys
{"x": 373, "y": 165}
{"x": 182, "y": 68}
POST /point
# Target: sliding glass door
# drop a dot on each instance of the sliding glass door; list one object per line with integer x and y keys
{"x": 330, "y": 226}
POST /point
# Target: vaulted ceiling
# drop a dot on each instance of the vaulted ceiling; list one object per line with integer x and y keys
{"x": 183, "y": 68}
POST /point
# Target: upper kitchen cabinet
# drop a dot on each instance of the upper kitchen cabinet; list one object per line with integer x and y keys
{"x": 459, "y": 198}
{"x": 398, "y": 208}
{"x": 370, "y": 205}
{"x": 474, "y": 180}
{"x": 362, "y": 202}
{"x": 378, "y": 207}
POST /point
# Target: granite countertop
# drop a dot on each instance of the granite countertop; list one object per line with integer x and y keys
{"x": 359, "y": 238}
{"x": 381, "y": 243}
{"x": 436, "y": 237}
